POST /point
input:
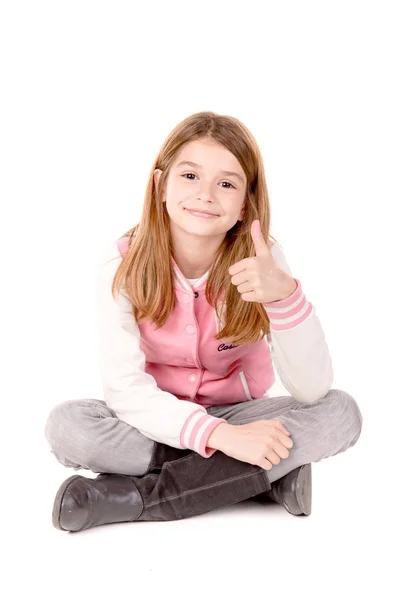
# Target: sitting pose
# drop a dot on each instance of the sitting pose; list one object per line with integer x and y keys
{"x": 196, "y": 305}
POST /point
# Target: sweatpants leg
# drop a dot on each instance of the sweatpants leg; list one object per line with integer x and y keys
{"x": 318, "y": 430}
{"x": 87, "y": 434}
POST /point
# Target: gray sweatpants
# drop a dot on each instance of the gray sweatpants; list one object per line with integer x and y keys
{"x": 87, "y": 434}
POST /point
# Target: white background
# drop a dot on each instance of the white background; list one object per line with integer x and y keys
{"x": 89, "y": 91}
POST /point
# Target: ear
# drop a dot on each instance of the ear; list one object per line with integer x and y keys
{"x": 156, "y": 177}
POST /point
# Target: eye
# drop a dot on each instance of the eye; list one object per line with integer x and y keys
{"x": 231, "y": 186}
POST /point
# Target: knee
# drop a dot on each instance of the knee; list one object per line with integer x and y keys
{"x": 57, "y": 421}
{"x": 62, "y": 424}
{"x": 348, "y": 412}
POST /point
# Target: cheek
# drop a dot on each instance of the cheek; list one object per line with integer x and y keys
{"x": 177, "y": 194}
{"x": 233, "y": 209}
{"x": 174, "y": 206}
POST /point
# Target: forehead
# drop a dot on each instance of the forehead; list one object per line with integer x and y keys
{"x": 209, "y": 155}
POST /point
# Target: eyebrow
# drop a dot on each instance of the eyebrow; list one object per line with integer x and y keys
{"x": 229, "y": 173}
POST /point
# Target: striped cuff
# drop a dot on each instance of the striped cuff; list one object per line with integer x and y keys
{"x": 196, "y": 431}
{"x": 288, "y": 313}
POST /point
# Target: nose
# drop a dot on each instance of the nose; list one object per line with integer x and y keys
{"x": 204, "y": 190}
{"x": 204, "y": 195}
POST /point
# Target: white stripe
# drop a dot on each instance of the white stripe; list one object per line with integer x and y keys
{"x": 292, "y": 318}
{"x": 192, "y": 423}
{"x": 183, "y": 281}
{"x": 200, "y": 433}
{"x": 246, "y": 387}
{"x": 201, "y": 280}
{"x": 273, "y": 310}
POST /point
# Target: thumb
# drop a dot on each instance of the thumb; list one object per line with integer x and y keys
{"x": 258, "y": 239}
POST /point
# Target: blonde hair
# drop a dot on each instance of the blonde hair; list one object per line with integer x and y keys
{"x": 146, "y": 270}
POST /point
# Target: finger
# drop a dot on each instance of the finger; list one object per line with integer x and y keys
{"x": 240, "y": 278}
{"x": 280, "y": 426}
{"x": 281, "y": 449}
{"x": 285, "y": 440}
{"x": 265, "y": 464}
{"x": 272, "y": 456}
{"x": 258, "y": 239}
{"x": 283, "y": 427}
{"x": 275, "y": 423}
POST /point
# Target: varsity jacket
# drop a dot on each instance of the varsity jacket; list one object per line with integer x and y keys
{"x": 162, "y": 381}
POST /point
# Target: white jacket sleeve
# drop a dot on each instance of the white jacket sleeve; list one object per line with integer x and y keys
{"x": 297, "y": 342}
{"x": 131, "y": 392}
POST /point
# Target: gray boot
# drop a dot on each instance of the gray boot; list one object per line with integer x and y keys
{"x": 184, "y": 487}
{"x": 293, "y": 491}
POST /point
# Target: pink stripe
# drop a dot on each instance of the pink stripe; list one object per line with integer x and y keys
{"x": 195, "y": 430}
{"x": 187, "y": 424}
{"x": 194, "y": 420}
{"x": 289, "y": 313}
{"x": 203, "y": 450}
{"x": 208, "y": 452}
{"x": 291, "y": 323}
{"x": 288, "y": 301}
{"x": 293, "y": 311}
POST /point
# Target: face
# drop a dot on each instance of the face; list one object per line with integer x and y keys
{"x": 205, "y": 187}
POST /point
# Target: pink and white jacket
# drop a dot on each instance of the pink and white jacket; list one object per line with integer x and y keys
{"x": 161, "y": 381}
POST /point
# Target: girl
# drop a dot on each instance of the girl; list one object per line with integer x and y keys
{"x": 196, "y": 304}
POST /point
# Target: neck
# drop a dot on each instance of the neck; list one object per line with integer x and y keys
{"x": 195, "y": 256}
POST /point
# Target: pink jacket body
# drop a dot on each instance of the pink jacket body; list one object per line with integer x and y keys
{"x": 161, "y": 381}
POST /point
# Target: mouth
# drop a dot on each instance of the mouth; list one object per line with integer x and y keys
{"x": 199, "y": 213}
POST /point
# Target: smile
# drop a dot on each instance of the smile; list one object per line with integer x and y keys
{"x": 200, "y": 214}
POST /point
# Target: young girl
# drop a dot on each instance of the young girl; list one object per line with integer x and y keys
{"x": 196, "y": 304}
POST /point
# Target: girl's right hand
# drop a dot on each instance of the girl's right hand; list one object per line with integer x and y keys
{"x": 261, "y": 443}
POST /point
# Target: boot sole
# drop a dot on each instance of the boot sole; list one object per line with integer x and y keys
{"x": 56, "y": 514}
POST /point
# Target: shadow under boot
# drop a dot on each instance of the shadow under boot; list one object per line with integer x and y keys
{"x": 184, "y": 487}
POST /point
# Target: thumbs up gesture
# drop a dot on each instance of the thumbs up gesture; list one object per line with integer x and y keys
{"x": 258, "y": 278}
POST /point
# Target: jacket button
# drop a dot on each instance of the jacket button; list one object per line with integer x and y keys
{"x": 190, "y": 329}
{"x": 196, "y": 294}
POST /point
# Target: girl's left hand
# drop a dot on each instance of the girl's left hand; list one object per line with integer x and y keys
{"x": 258, "y": 278}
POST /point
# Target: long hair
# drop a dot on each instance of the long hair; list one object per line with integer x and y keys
{"x": 146, "y": 270}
